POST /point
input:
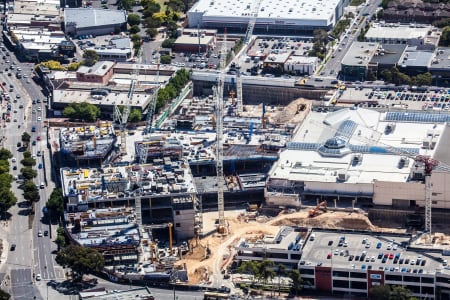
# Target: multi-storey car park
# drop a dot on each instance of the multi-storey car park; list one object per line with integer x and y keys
{"x": 351, "y": 263}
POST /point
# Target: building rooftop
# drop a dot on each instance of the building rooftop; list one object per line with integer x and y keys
{"x": 37, "y": 8}
{"x": 391, "y": 253}
{"x": 278, "y": 9}
{"x": 87, "y": 142}
{"x": 294, "y": 59}
{"x": 397, "y": 32}
{"x": 441, "y": 60}
{"x": 354, "y": 146}
{"x": 194, "y": 40}
{"x": 389, "y": 54}
{"x": 104, "y": 184}
{"x": 75, "y": 95}
{"x": 280, "y": 58}
{"x": 416, "y": 58}
{"x": 359, "y": 54}
{"x": 121, "y": 43}
{"x": 90, "y": 17}
{"x": 102, "y": 294}
{"x": 99, "y": 69}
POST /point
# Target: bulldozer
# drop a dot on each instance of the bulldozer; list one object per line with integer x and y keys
{"x": 321, "y": 207}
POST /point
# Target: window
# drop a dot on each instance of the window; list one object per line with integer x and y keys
{"x": 307, "y": 271}
{"x": 340, "y": 274}
{"x": 394, "y": 277}
{"x": 177, "y": 225}
{"x": 358, "y": 275}
{"x": 427, "y": 279}
{"x": 411, "y": 278}
{"x": 428, "y": 290}
{"x": 358, "y": 285}
{"x": 340, "y": 283}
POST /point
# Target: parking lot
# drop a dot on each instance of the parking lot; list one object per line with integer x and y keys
{"x": 405, "y": 99}
{"x": 366, "y": 252}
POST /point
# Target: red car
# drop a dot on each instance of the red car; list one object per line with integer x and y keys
{"x": 38, "y": 138}
{"x": 391, "y": 256}
{"x": 329, "y": 256}
{"x": 386, "y": 255}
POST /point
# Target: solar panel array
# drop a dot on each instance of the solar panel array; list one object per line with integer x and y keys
{"x": 346, "y": 129}
{"x": 302, "y": 146}
{"x": 417, "y": 117}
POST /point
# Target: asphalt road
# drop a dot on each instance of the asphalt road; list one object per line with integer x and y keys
{"x": 333, "y": 66}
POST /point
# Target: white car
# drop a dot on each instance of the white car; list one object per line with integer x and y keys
{"x": 40, "y": 233}
{"x": 13, "y": 159}
{"x": 39, "y": 108}
{"x": 39, "y": 119}
{"x": 38, "y": 277}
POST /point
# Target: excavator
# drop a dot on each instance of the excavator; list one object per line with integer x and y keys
{"x": 322, "y": 206}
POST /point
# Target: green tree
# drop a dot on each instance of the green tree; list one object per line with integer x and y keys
{"x": 4, "y": 166}
{"x": 296, "y": 278}
{"x": 281, "y": 271}
{"x": 424, "y": 79}
{"x": 400, "y": 293}
{"x": 125, "y": 4}
{"x": 150, "y": 8}
{"x": 168, "y": 43}
{"x": 135, "y": 115}
{"x": 55, "y": 202}
{"x": 381, "y": 292}
{"x": 26, "y": 138}
{"x": 135, "y": 29}
{"x": 152, "y": 22}
{"x": 5, "y": 180}
{"x": 27, "y": 154}
{"x": 133, "y": 19}
{"x": 386, "y": 74}
{"x": 82, "y": 260}
{"x": 82, "y": 111}
{"x": 4, "y": 295}
{"x": 5, "y": 154}
{"x": 151, "y": 32}
{"x": 90, "y": 57}
{"x": 7, "y": 199}
{"x": 165, "y": 59}
{"x": 249, "y": 267}
{"x": 28, "y": 173}
{"x": 30, "y": 191}
{"x": 265, "y": 270}
{"x": 60, "y": 238}
{"x": 28, "y": 162}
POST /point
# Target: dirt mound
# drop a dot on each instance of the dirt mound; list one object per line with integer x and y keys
{"x": 331, "y": 220}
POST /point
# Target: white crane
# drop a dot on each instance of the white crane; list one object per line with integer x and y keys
{"x": 143, "y": 151}
{"x": 251, "y": 25}
{"x": 219, "y": 133}
{"x": 122, "y": 117}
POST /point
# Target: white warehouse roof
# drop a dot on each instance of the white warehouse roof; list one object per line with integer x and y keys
{"x": 326, "y": 145}
{"x": 89, "y": 17}
{"x": 301, "y": 12}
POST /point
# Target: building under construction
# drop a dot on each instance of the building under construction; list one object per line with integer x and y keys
{"x": 161, "y": 194}
{"x": 86, "y": 145}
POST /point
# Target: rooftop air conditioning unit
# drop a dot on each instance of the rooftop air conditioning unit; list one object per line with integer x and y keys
{"x": 342, "y": 175}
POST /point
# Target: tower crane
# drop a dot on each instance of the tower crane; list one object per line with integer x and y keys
{"x": 251, "y": 25}
{"x": 143, "y": 151}
{"x": 219, "y": 135}
{"x": 122, "y": 117}
{"x": 424, "y": 162}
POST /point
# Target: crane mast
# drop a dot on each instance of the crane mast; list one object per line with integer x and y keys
{"x": 143, "y": 151}
{"x": 219, "y": 134}
{"x": 251, "y": 25}
{"x": 122, "y": 117}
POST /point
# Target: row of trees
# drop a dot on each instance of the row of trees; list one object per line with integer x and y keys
{"x": 82, "y": 111}
{"x": 7, "y": 197}
{"x": 264, "y": 271}
{"x": 387, "y": 292}
{"x": 30, "y": 190}
{"x": 173, "y": 88}
{"x": 81, "y": 260}
{"x": 394, "y": 75}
